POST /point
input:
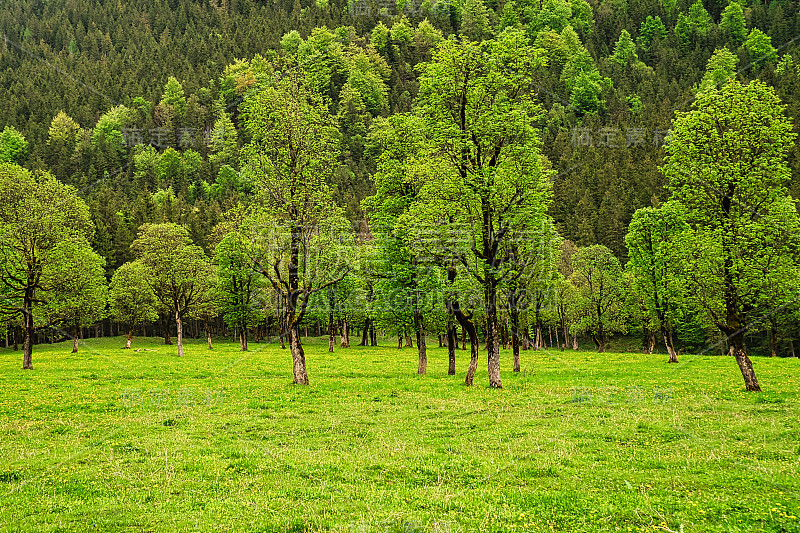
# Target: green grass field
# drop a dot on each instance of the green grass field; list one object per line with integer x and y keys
{"x": 118, "y": 440}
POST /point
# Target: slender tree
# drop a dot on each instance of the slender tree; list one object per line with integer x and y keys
{"x": 478, "y": 108}
{"x": 651, "y": 239}
{"x": 600, "y": 297}
{"x": 131, "y": 297}
{"x": 726, "y": 164}
{"x": 37, "y": 214}
{"x": 296, "y": 223}
{"x": 76, "y": 288}
{"x": 178, "y": 272}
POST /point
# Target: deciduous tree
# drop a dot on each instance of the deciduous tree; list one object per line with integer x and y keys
{"x": 726, "y": 164}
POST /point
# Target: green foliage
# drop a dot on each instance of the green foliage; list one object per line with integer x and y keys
{"x": 13, "y": 146}
{"x": 238, "y": 281}
{"x": 699, "y": 19}
{"x": 635, "y": 104}
{"x": 732, "y": 22}
{"x": 721, "y": 67}
{"x": 600, "y": 294}
{"x": 624, "y": 50}
{"x": 177, "y": 271}
{"x": 131, "y": 296}
{"x": 174, "y": 96}
{"x": 726, "y": 165}
{"x": 759, "y": 47}
{"x": 653, "y": 263}
{"x": 107, "y": 133}
{"x": 475, "y": 20}
{"x": 38, "y": 216}
{"x": 380, "y": 37}
{"x": 652, "y": 28}
{"x": 75, "y": 284}
{"x": 224, "y": 142}
{"x": 291, "y": 41}
{"x": 587, "y": 87}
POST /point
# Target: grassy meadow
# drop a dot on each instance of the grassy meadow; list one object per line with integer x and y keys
{"x": 118, "y": 440}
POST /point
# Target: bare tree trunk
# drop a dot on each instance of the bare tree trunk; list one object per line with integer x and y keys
{"x": 746, "y": 366}
{"x": 492, "y": 344}
{"x": 451, "y": 349}
{"x": 422, "y": 351}
{"x": 16, "y": 338}
{"x": 242, "y": 339}
{"x": 128, "y": 340}
{"x": 667, "y": 334}
{"x": 400, "y": 341}
{"x": 422, "y": 364}
{"x": 345, "y": 338}
{"x": 331, "y": 332}
{"x": 75, "y": 339}
{"x": 373, "y": 335}
{"x": 167, "y": 339}
{"x": 208, "y": 336}
{"x": 298, "y": 356}
{"x": 599, "y": 341}
{"x": 515, "y": 337}
{"x": 463, "y": 338}
{"x": 558, "y": 342}
{"x": 27, "y": 345}
{"x": 179, "y": 324}
{"x": 365, "y": 333}
{"x": 409, "y": 342}
{"x": 468, "y": 328}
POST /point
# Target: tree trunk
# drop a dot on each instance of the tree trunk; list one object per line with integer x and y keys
{"x": 27, "y": 345}
{"x": 16, "y": 338}
{"x": 128, "y": 340}
{"x": 745, "y": 365}
{"x": 409, "y": 342}
{"x": 667, "y": 334}
{"x": 331, "y": 332}
{"x": 179, "y": 325}
{"x": 400, "y": 341}
{"x": 468, "y": 328}
{"x": 463, "y": 338}
{"x": 298, "y": 356}
{"x": 492, "y": 340}
{"x": 365, "y": 332}
{"x": 422, "y": 365}
{"x": 515, "y": 337}
{"x": 451, "y": 349}
{"x": 345, "y": 337}
{"x": 208, "y": 336}
{"x": 75, "y": 339}
{"x": 373, "y": 335}
{"x": 599, "y": 340}
{"x": 242, "y": 339}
